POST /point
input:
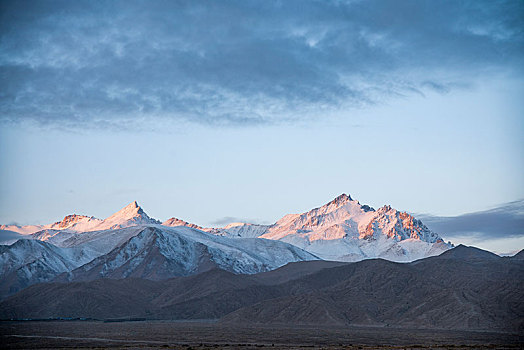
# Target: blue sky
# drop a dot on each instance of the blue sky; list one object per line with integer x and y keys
{"x": 248, "y": 110}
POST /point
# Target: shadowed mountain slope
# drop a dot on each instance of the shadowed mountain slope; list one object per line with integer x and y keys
{"x": 476, "y": 291}
{"x": 160, "y": 253}
{"x": 462, "y": 252}
{"x": 150, "y": 252}
{"x": 519, "y": 255}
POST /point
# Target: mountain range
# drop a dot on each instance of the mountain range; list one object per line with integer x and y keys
{"x": 463, "y": 288}
{"x": 341, "y": 264}
{"x": 131, "y": 244}
{"x": 345, "y": 230}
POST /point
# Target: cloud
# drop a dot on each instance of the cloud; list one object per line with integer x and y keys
{"x": 225, "y": 220}
{"x": 231, "y": 219}
{"x": 84, "y": 63}
{"x": 506, "y": 221}
{"x": 9, "y": 237}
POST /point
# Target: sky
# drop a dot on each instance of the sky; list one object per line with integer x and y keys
{"x": 221, "y": 111}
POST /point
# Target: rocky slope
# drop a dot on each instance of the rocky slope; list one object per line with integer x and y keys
{"x": 345, "y": 230}
{"x": 131, "y": 244}
{"x": 159, "y": 253}
{"x": 27, "y": 262}
{"x": 464, "y": 288}
{"x": 341, "y": 230}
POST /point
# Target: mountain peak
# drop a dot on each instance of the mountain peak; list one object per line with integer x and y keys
{"x": 130, "y": 210}
{"x": 339, "y": 201}
{"x": 131, "y": 214}
{"x": 173, "y": 222}
{"x": 342, "y": 198}
{"x": 70, "y": 220}
{"x": 132, "y": 205}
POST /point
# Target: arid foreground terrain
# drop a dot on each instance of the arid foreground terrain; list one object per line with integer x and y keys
{"x": 206, "y": 335}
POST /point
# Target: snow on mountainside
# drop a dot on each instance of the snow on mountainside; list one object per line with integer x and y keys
{"x": 130, "y": 215}
{"x": 26, "y": 262}
{"x": 93, "y": 243}
{"x": 342, "y": 229}
{"x": 345, "y": 230}
{"x": 174, "y": 222}
{"x": 24, "y": 230}
{"x": 239, "y": 230}
{"x": 131, "y": 244}
{"x": 158, "y": 252}
{"x": 78, "y": 223}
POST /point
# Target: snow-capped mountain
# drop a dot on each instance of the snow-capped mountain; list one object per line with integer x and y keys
{"x": 158, "y": 252}
{"x": 174, "y": 222}
{"x": 346, "y": 230}
{"x": 26, "y": 262}
{"x": 130, "y": 243}
{"x": 239, "y": 230}
{"x": 73, "y": 222}
{"x": 342, "y": 229}
{"x": 130, "y": 215}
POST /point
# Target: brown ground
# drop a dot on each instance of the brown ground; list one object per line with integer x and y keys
{"x": 209, "y": 335}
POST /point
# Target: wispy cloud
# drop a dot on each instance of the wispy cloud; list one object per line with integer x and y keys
{"x": 231, "y": 219}
{"x": 85, "y": 63}
{"x": 506, "y": 221}
{"x": 8, "y": 237}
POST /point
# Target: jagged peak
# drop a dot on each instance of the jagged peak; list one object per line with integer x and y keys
{"x": 71, "y": 219}
{"x": 173, "y": 222}
{"x": 367, "y": 208}
{"x": 131, "y": 209}
{"x": 386, "y": 207}
{"x": 343, "y": 198}
{"x": 132, "y": 205}
{"x": 73, "y": 216}
{"x": 403, "y": 215}
{"x": 133, "y": 212}
{"x": 336, "y": 203}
